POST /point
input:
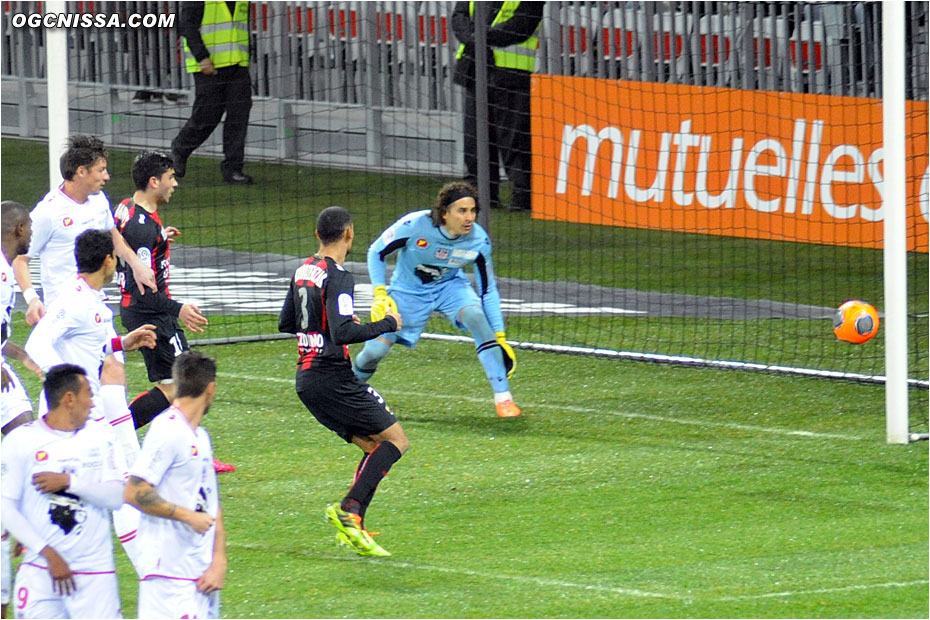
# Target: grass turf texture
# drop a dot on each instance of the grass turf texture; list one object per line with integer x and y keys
{"x": 625, "y": 490}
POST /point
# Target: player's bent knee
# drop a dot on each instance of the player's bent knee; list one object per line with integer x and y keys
{"x": 113, "y": 372}
{"x": 475, "y": 321}
{"x": 396, "y": 435}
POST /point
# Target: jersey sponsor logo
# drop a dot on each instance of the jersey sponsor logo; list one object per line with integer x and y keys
{"x": 422, "y": 243}
{"x": 97, "y": 318}
{"x": 3, "y": 277}
{"x": 346, "y": 304}
{"x": 428, "y": 273}
{"x": 41, "y": 455}
{"x": 466, "y": 254}
{"x": 142, "y": 218}
{"x": 441, "y": 253}
{"x": 314, "y": 274}
{"x": 67, "y": 222}
{"x": 194, "y": 451}
{"x": 145, "y": 255}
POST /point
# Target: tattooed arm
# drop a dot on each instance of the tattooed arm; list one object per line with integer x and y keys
{"x": 143, "y": 496}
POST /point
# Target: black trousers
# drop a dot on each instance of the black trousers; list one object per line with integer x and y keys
{"x": 509, "y": 141}
{"x": 228, "y": 92}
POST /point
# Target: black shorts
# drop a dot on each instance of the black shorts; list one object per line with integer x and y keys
{"x": 170, "y": 342}
{"x": 343, "y": 404}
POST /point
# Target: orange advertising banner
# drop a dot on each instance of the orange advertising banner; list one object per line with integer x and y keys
{"x": 756, "y": 164}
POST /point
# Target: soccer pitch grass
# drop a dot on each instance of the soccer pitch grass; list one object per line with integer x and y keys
{"x": 625, "y": 490}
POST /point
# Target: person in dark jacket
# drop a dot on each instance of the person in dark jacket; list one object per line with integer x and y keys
{"x": 216, "y": 45}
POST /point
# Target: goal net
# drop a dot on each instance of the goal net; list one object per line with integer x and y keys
{"x": 706, "y": 177}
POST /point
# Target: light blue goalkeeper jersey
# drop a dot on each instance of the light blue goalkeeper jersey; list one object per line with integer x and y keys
{"x": 428, "y": 258}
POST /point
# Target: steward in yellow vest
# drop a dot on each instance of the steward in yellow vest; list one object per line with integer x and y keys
{"x": 216, "y": 46}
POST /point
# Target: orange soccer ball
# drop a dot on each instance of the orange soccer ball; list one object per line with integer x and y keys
{"x": 855, "y": 321}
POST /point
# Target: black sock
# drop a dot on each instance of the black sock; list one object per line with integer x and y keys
{"x": 372, "y": 470}
{"x": 361, "y": 507}
{"x": 147, "y": 405}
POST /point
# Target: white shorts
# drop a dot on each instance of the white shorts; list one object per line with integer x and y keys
{"x": 15, "y": 399}
{"x": 6, "y": 568}
{"x": 96, "y": 595}
{"x": 161, "y": 597}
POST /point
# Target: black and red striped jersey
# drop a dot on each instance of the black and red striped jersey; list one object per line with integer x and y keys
{"x": 319, "y": 309}
{"x": 145, "y": 234}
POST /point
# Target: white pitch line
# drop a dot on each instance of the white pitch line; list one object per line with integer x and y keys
{"x": 561, "y": 583}
{"x": 816, "y": 591}
{"x": 588, "y": 410}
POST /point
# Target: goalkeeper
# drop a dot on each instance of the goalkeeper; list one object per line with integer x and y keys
{"x": 433, "y": 246}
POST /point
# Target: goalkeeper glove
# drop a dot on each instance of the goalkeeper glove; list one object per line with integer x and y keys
{"x": 382, "y": 304}
{"x": 510, "y": 358}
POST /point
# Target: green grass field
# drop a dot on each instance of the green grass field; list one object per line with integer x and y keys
{"x": 625, "y": 490}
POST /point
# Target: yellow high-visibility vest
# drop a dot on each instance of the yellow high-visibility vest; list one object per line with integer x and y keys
{"x": 226, "y": 36}
{"x": 521, "y": 55}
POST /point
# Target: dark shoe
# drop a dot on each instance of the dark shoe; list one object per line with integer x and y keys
{"x": 237, "y": 178}
{"x": 180, "y": 164}
{"x": 141, "y": 96}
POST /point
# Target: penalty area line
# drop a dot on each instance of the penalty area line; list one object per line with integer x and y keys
{"x": 394, "y": 563}
{"x": 589, "y": 410}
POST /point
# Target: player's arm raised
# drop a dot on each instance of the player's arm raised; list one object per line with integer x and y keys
{"x": 143, "y": 496}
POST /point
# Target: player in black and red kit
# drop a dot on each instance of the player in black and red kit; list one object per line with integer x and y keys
{"x": 320, "y": 310}
{"x": 140, "y": 224}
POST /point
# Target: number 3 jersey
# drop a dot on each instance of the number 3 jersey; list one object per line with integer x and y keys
{"x": 178, "y": 461}
{"x": 319, "y": 308}
{"x": 78, "y": 530}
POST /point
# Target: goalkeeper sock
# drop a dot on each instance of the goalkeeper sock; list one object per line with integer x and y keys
{"x": 375, "y": 467}
{"x": 492, "y": 359}
{"x": 113, "y": 398}
{"x": 366, "y": 362}
{"x": 147, "y": 405}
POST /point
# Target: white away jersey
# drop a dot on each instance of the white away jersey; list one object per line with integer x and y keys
{"x": 56, "y": 223}
{"x": 178, "y": 461}
{"x": 7, "y": 298}
{"x": 79, "y": 531}
{"x": 74, "y": 330}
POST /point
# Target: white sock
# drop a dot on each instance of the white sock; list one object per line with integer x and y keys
{"x": 500, "y": 397}
{"x": 113, "y": 399}
{"x": 126, "y": 525}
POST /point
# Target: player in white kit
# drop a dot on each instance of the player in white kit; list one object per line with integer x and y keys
{"x": 77, "y": 205}
{"x": 173, "y": 483}
{"x": 16, "y": 407}
{"x": 62, "y": 474}
{"x": 78, "y": 329}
